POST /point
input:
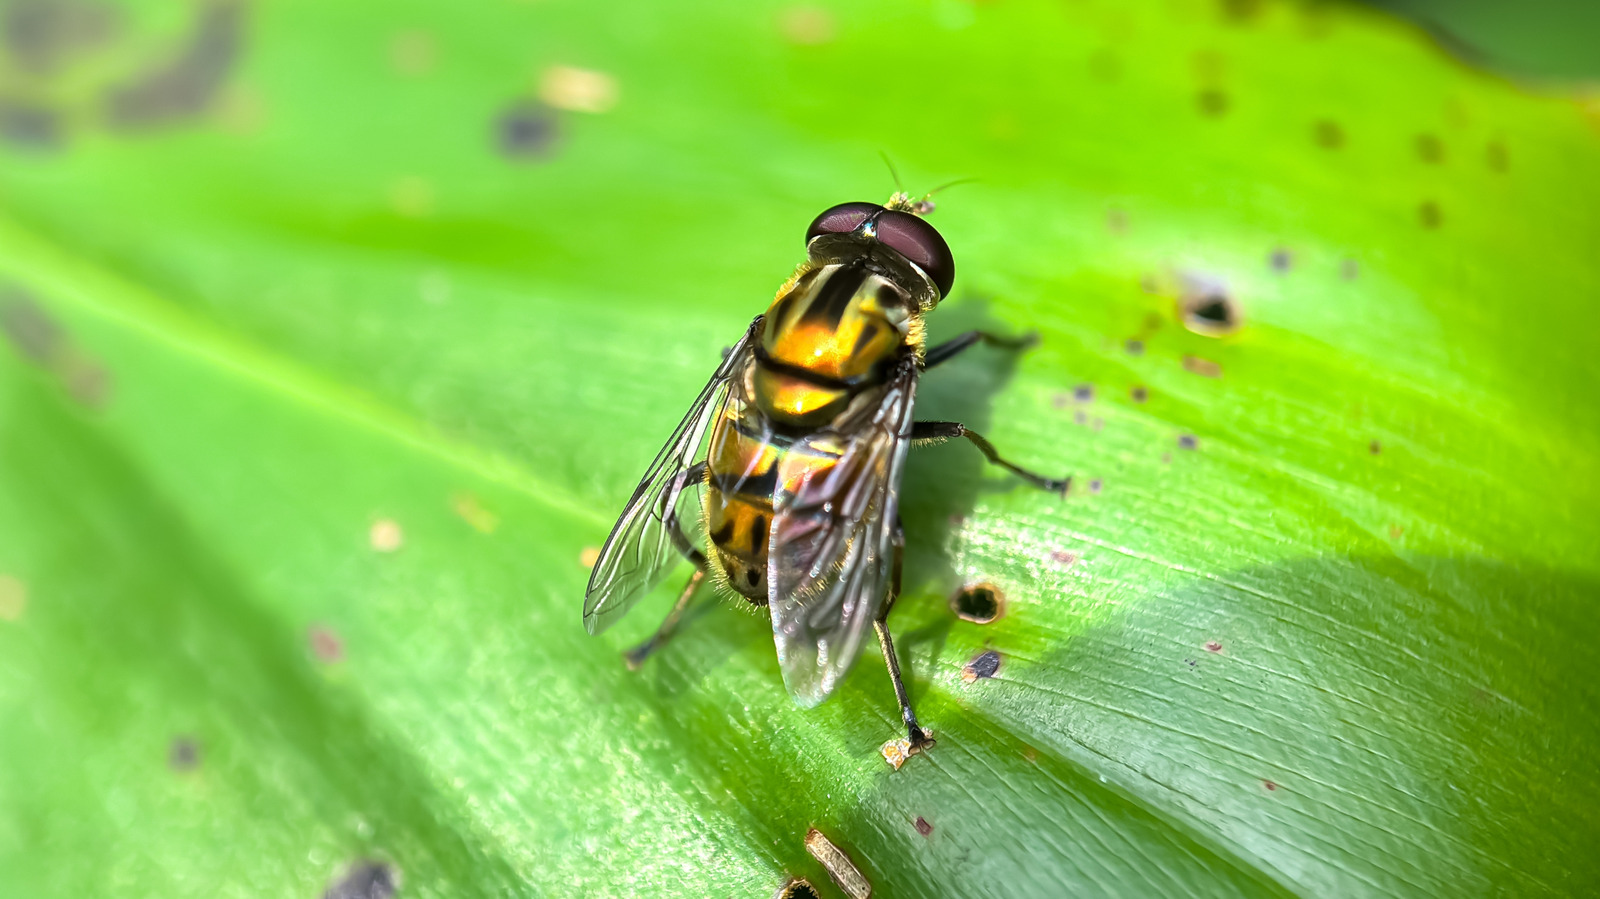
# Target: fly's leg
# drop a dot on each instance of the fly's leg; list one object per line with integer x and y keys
{"x": 638, "y": 654}
{"x": 946, "y": 430}
{"x": 953, "y": 347}
{"x": 914, "y": 733}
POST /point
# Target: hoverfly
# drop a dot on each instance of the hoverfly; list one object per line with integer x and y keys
{"x": 793, "y": 504}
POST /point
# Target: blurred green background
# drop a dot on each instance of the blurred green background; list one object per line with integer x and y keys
{"x": 336, "y": 335}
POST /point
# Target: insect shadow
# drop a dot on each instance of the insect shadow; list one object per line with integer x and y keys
{"x": 942, "y": 482}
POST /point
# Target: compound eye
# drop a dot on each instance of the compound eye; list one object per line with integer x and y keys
{"x": 841, "y": 219}
{"x": 916, "y": 240}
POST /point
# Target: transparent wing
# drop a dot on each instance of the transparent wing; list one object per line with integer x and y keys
{"x": 646, "y": 539}
{"x": 831, "y": 552}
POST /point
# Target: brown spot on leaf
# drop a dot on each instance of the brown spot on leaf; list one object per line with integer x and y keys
{"x": 1134, "y": 347}
{"x": 1271, "y": 787}
{"x": 1205, "y": 368}
{"x": 1213, "y": 646}
{"x": 1430, "y": 215}
{"x": 1374, "y": 447}
{"x": 1430, "y": 149}
{"x": 1063, "y": 558}
{"x": 1139, "y": 393}
{"x": 1495, "y": 154}
{"x": 1329, "y": 135}
{"x": 325, "y": 644}
{"x": 979, "y": 603}
{"x": 365, "y": 880}
{"x": 922, "y": 826}
{"x": 1212, "y": 102}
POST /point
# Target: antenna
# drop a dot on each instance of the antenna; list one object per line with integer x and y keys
{"x": 892, "y": 173}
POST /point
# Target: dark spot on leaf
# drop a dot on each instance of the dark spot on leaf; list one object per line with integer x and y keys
{"x": 528, "y": 130}
{"x": 1080, "y": 417}
{"x": 1095, "y": 485}
{"x": 1213, "y": 103}
{"x": 1187, "y": 441}
{"x": 979, "y": 603}
{"x": 797, "y": 889}
{"x": 1063, "y": 558}
{"x": 183, "y": 755}
{"x": 1083, "y": 393}
{"x": 325, "y": 644}
{"x": 1213, "y": 646}
{"x": 1374, "y": 447}
{"x": 1134, "y": 347}
{"x": 1349, "y": 269}
{"x": 1240, "y": 11}
{"x": 185, "y": 85}
{"x": 1430, "y": 149}
{"x": 44, "y": 36}
{"x": 31, "y": 331}
{"x": 1281, "y": 260}
{"x": 1205, "y": 368}
{"x": 1139, "y": 394}
{"x": 1499, "y": 160}
{"x": 1329, "y": 135}
{"x": 923, "y": 827}
{"x": 365, "y": 880}
{"x": 1116, "y": 220}
{"x": 30, "y": 126}
{"x": 1269, "y": 785}
{"x": 1430, "y": 216}
{"x": 983, "y": 666}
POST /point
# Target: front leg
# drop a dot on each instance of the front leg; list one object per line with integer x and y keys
{"x": 956, "y": 345}
{"x": 935, "y": 431}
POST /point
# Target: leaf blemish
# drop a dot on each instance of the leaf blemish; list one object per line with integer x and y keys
{"x": 1205, "y": 368}
{"x": 1095, "y": 484}
{"x": 1329, "y": 135}
{"x": 922, "y": 826}
{"x": 183, "y": 755}
{"x": 1213, "y": 646}
{"x": 979, "y": 603}
{"x": 527, "y": 130}
{"x": 1187, "y": 441}
{"x": 844, "y": 872}
{"x": 984, "y": 666}
{"x": 365, "y": 880}
{"x": 1064, "y": 558}
{"x": 1083, "y": 393}
{"x": 1139, "y": 394}
{"x": 183, "y": 87}
{"x": 1281, "y": 260}
{"x": 385, "y": 535}
{"x": 325, "y": 644}
{"x": 1271, "y": 787}
{"x": 1374, "y": 447}
{"x": 1349, "y": 269}
{"x": 1134, "y": 347}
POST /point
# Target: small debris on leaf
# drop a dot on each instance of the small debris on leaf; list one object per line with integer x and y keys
{"x": 985, "y": 665}
{"x": 843, "y": 871}
{"x": 898, "y": 752}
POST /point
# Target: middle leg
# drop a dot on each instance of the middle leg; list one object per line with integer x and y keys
{"x": 933, "y": 431}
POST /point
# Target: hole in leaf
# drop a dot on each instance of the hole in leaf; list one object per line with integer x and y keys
{"x": 979, "y": 603}
{"x": 1207, "y": 308}
{"x": 799, "y": 888}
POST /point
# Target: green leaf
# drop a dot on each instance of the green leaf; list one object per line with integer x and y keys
{"x": 333, "y": 347}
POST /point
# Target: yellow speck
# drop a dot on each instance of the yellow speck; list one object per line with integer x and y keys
{"x": 577, "y": 90}
{"x": 589, "y": 556}
{"x": 13, "y": 598}
{"x": 413, "y": 52}
{"x": 411, "y": 196}
{"x": 386, "y": 536}
{"x": 472, "y": 512}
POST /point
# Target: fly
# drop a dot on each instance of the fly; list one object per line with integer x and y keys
{"x": 782, "y": 482}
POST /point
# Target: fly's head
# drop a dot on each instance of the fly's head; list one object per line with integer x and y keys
{"x": 893, "y": 235}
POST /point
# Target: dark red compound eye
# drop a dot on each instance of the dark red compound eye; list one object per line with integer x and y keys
{"x": 916, "y": 240}
{"x": 841, "y": 219}
{"x": 903, "y": 232}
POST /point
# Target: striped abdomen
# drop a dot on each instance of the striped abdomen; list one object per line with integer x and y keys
{"x": 827, "y": 339}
